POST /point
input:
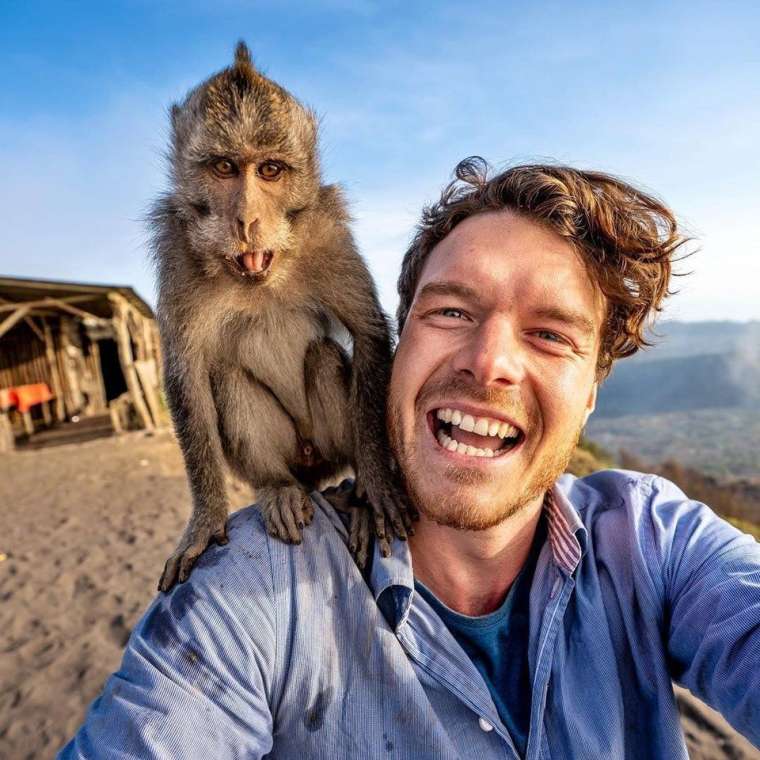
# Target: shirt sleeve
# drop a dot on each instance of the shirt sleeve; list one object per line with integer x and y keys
{"x": 196, "y": 676}
{"x": 712, "y": 605}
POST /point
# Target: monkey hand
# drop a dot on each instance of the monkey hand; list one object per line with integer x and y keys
{"x": 197, "y": 537}
{"x": 286, "y": 510}
{"x": 388, "y": 506}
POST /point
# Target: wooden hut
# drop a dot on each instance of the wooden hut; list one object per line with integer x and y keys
{"x": 93, "y": 350}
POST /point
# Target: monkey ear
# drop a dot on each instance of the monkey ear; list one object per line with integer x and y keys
{"x": 243, "y": 55}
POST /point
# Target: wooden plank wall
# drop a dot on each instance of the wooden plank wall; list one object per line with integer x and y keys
{"x": 22, "y": 358}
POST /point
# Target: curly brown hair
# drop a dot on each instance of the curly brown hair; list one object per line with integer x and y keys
{"x": 627, "y": 238}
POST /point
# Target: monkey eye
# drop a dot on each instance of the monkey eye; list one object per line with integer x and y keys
{"x": 270, "y": 170}
{"x": 223, "y": 167}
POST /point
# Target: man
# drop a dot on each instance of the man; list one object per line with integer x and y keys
{"x": 531, "y": 615}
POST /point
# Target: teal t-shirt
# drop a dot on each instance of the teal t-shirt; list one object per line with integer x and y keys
{"x": 497, "y": 644}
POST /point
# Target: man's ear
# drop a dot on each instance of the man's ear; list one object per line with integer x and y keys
{"x": 591, "y": 403}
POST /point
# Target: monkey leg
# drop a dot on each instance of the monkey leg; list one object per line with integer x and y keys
{"x": 327, "y": 370}
{"x": 263, "y": 447}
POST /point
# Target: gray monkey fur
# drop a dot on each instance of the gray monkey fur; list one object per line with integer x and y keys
{"x": 253, "y": 375}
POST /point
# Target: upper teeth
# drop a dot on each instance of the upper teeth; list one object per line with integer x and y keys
{"x": 479, "y": 425}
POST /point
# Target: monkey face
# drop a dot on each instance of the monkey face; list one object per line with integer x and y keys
{"x": 244, "y": 169}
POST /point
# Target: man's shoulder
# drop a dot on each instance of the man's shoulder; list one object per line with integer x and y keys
{"x": 251, "y": 550}
{"x": 646, "y": 515}
{"x": 626, "y": 513}
{"x": 253, "y": 566}
{"x": 615, "y": 491}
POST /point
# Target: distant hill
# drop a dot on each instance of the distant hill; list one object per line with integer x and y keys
{"x": 699, "y": 365}
{"x": 720, "y": 442}
{"x": 694, "y": 397}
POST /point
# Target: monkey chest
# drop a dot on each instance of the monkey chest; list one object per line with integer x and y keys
{"x": 272, "y": 349}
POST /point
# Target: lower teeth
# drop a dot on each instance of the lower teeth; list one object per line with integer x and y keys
{"x": 462, "y": 448}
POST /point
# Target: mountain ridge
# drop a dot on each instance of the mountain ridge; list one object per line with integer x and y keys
{"x": 694, "y": 397}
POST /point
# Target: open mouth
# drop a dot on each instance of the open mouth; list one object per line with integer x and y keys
{"x": 473, "y": 436}
{"x": 253, "y": 264}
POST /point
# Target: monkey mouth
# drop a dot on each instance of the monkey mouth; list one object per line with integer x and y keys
{"x": 254, "y": 264}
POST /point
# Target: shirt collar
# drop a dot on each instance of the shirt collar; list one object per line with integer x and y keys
{"x": 567, "y": 537}
{"x": 567, "y": 534}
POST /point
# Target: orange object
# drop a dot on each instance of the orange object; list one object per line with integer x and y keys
{"x": 23, "y": 397}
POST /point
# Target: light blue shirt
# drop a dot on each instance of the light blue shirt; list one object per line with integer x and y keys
{"x": 282, "y": 650}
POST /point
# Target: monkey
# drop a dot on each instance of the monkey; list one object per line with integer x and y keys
{"x": 257, "y": 273}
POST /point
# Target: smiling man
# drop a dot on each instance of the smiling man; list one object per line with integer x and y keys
{"x": 532, "y": 614}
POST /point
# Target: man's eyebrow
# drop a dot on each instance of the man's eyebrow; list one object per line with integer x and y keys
{"x": 568, "y": 316}
{"x": 448, "y": 288}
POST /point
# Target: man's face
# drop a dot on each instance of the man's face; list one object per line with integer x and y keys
{"x": 503, "y": 335}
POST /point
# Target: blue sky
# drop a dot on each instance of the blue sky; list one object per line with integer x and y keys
{"x": 664, "y": 94}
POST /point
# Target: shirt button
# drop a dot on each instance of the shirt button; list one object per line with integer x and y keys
{"x": 485, "y": 725}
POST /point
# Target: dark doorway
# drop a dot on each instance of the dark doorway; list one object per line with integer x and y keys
{"x": 113, "y": 377}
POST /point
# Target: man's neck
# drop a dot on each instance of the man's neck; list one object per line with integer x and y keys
{"x": 472, "y": 571}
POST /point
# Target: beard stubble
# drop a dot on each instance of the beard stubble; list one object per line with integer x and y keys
{"x": 457, "y": 508}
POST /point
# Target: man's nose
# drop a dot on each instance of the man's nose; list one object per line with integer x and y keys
{"x": 492, "y": 355}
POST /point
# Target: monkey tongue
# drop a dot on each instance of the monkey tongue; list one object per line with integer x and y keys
{"x": 254, "y": 261}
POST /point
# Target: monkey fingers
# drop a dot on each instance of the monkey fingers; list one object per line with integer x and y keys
{"x": 389, "y": 506}
{"x": 308, "y": 511}
{"x": 359, "y": 532}
{"x": 286, "y": 511}
{"x": 179, "y": 566}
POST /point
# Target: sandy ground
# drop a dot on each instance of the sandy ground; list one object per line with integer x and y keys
{"x": 85, "y": 530}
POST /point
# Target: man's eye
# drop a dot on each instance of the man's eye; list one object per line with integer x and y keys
{"x": 552, "y": 337}
{"x": 270, "y": 170}
{"x": 451, "y": 312}
{"x": 223, "y": 167}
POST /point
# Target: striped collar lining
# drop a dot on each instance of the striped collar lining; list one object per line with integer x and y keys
{"x": 563, "y": 522}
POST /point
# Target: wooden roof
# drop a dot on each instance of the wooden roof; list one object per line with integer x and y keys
{"x": 20, "y": 289}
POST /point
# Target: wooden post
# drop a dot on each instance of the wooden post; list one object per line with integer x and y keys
{"x": 75, "y": 397}
{"x": 113, "y": 408}
{"x": 127, "y": 360}
{"x": 46, "y": 413}
{"x": 146, "y": 371}
{"x": 7, "y": 439}
{"x": 99, "y": 402}
{"x": 55, "y": 378}
{"x": 156, "y": 353}
{"x": 28, "y": 424}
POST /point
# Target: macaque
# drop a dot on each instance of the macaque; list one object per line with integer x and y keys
{"x": 257, "y": 273}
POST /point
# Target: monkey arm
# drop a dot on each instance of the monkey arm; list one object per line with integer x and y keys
{"x": 349, "y": 292}
{"x": 194, "y": 414}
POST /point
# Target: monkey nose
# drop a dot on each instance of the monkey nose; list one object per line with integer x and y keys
{"x": 246, "y": 229}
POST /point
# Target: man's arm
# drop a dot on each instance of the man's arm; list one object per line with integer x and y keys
{"x": 196, "y": 677}
{"x": 712, "y": 590}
